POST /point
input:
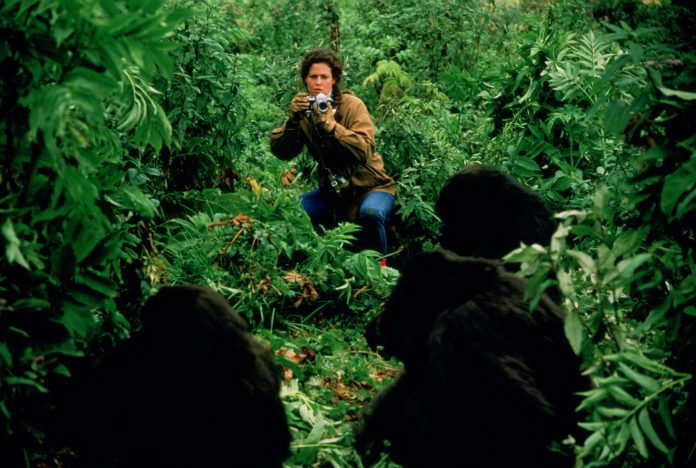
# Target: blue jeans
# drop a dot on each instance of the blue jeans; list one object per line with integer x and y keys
{"x": 375, "y": 209}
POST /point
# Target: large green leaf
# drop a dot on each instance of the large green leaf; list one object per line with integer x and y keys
{"x": 648, "y": 429}
{"x": 638, "y": 437}
{"x": 676, "y": 186}
{"x": 643, "y": 380}
{"x": 129, "y": 197}
{"x": 13, "y": 253}
{"x": 574, "y": 331}
{"x": 97, "y": 282}
{"x": 584, "y": 260}
{"x": 685, "y": 95}
{"x": 77, "y": 319}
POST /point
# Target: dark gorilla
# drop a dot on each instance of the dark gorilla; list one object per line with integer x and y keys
{"x": 486, "y": 382}
{"x": 191, "y": 388}
{"x": 487, "y": 213}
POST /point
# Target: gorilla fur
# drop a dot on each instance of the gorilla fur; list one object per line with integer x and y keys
{"x": 191, "y": 388}
{"x": 487, "y": 213}
{"x": 486, "y": 382}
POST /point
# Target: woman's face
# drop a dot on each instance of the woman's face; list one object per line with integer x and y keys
{"x": 319, "y": 80}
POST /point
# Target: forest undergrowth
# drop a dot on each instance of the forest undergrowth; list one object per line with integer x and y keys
{"x": 136, "y": 155}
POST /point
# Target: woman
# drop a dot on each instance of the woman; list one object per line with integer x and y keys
{"x": 340, "y": 137}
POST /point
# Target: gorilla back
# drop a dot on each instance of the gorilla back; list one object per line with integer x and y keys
{"x": 486, "y": 382}
{"x": 191, "y": 388}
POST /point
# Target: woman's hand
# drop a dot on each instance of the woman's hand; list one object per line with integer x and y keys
{"x": 299, "y": 104}
{"x": 325, "y": 121}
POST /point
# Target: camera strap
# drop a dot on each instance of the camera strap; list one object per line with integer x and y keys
{"x": 321, "y": 145}
{"x": 330, "y": 177}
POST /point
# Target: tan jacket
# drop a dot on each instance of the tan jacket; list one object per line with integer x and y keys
{"x": 349, "y": 151}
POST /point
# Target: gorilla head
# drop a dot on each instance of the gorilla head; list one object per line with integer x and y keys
{"x": 486, "y": 213}
{"x": 191, "y": 388}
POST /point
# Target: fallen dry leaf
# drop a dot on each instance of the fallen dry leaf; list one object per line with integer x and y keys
{"x": 255, "y": 187}
{"x": 360, "y": 291}
{"x": 309, "y": 293}
{"x": 288, "y": 177}
{"x": 341, "y": 390}
{"x": 287, "y": 375}
{"x": 304, "y": 355}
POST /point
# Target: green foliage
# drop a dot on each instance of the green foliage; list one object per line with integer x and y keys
{"x": 616, "y": 262}
{"x": 204, "y": 100}
{"x": 263, "y": 253}
{"x": 389, "y": 81}
{"x": 329, "y": 378}
{"x": 135, "y": 137}
{"x": 425, "y": 36}
{"x": 630, "y": 404}
{"x": 626, "y": 267}
{"x": 571, "y": 84}
{"x": 603, "y": 292}
{"x": 77, "y": 100}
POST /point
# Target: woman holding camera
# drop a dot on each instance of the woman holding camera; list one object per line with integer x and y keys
{"x": 338, "y": 132}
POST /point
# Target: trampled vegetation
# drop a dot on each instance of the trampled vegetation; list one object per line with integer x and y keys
{"x": 135, "y": 140}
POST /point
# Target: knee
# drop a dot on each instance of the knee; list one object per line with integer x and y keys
{"x": 370, "y": 214}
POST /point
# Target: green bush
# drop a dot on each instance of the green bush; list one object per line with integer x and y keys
{"x": 135, "y": 137}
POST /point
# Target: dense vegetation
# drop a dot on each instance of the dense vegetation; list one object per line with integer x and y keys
{"x": 135, "y": 143}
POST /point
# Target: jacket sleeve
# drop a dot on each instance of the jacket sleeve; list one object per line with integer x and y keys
{"x": 286, "y": 141}
{"x": 356, "y": 132}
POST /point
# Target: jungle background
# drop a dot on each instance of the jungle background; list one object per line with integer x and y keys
{"x": 135, "y": 154}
